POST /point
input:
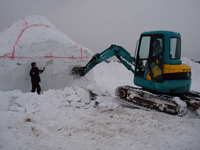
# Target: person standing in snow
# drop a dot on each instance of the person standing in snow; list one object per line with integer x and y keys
{"x": 35, "y": 78}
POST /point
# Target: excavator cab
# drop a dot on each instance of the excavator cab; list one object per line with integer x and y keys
{"x": 150, "y": 58}
{"x": 158, "y": 65}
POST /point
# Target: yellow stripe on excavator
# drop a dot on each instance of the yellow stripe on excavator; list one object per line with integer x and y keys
{"x": 176, "y": 68}
{"x": 167, "y": 69}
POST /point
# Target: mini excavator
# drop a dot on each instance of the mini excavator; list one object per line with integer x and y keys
{"x": 157, "y": 69}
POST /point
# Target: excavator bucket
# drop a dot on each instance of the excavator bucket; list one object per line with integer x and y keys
{"x": 78, "y": 71}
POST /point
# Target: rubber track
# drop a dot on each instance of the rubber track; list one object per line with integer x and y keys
{"x": 140, "y": 101}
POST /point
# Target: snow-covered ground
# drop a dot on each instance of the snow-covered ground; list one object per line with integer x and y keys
{"x": 66, "y": 116}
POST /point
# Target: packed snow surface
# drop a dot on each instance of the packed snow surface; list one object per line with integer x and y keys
{"x": 80, "y": 112}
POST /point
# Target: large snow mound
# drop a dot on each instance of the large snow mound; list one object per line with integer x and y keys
{"x": 35, "y": 39}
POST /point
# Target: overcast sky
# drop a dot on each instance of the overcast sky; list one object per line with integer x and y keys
{"x": 96, "y": 24}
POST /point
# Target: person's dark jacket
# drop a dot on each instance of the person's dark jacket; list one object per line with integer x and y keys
{"x": 34, "y": 73}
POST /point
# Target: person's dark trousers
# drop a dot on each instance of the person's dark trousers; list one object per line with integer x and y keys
{"x": 34, "y": 86}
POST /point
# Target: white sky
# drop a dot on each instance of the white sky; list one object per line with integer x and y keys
{"x": 96, "y": 24}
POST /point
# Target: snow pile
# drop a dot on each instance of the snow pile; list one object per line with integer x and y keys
{"x": 113, "y": 71}
{"x": 195, "y": 73}
{"x": 9, "y": 36}
{"x": 35, "y": 39}
{"x": 76, "y": 97}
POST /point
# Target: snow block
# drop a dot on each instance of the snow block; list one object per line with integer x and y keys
{"x": 36, "y": 39}
{"x": 77, "y": 104}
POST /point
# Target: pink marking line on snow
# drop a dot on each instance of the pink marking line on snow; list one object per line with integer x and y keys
{"x": 8, "y": 27}
{"x": 47, "y": 26}
{"x": 25, "y": 22}
{"x": 86, "y": 57}
{"x": 3, "y": 56}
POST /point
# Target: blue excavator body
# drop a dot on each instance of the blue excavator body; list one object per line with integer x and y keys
{"x": 156, "y": 66}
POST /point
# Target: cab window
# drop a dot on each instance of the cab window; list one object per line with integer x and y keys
{"x": 144, "y": 47}
{"x": 143, "y": 55}
{"x": 175, "y": 48}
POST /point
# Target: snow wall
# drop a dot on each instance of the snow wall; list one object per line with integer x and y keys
{"x": 35, "y": 39}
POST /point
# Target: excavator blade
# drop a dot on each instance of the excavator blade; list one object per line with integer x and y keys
{"x": 78, "y": 71}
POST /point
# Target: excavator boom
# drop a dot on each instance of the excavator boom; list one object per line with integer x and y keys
{"x": 123, "y": 55}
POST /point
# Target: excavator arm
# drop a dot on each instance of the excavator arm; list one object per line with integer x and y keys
{"x": 123, "y": 55}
